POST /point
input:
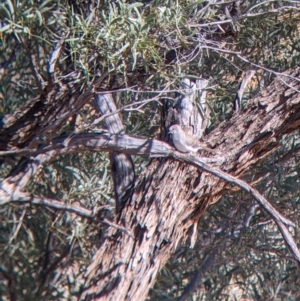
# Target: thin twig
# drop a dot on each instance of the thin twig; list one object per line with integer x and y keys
{"x": 23, "y": 197}
{"x": 280, "y": 220}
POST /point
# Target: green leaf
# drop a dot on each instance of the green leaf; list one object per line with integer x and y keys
{"x": 121, "y": 50}
{"x": 44, "y": 3}
{"x": 5, "y": 28}
{"x": 134, "y": 55}
{"x": 135, "y": 5}
{"x": 3, "y": 8}
{"x": 11, "y": 8}
{"x": 39, "y": 18}
{"x": 115, "y": 20}
{"x": 46, "y": 9}
{"x": 90, "y": 18}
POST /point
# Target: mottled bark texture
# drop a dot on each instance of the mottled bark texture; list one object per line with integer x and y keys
{"x": 41, "y": 119}
{"x": 122, "y": 167}
{"x": 169, "y": 196}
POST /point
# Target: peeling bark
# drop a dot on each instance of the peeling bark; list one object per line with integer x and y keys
{"x": 169, "y": 196}
{"x": 41, "y": 119}
{"x": 122, "y": 166}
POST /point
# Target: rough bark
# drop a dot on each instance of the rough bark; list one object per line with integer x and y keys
{"x": 41, "y": 119}
{"x": 122, "y": 167}
{"x": 170, "y": 196}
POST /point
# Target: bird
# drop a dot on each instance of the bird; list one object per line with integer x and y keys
{"x": 185, "y": 142}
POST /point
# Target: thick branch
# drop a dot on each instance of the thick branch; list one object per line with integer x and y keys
{"x": 169, "y": 196}
{"x": 99, "y": 142}
{"x": 280, "y": 220}
{"x": 122, "y": 166}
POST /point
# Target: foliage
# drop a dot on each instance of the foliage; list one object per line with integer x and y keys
{"x": 249, "y": 258}
{"x": 147, "y": 48}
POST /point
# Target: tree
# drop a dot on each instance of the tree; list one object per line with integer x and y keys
{"x": 82, "y": 67}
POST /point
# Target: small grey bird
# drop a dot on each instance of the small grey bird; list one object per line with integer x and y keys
{"x": 185, "y": 142}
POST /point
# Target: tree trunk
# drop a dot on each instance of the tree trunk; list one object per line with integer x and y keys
{"x": 169, "y": 197}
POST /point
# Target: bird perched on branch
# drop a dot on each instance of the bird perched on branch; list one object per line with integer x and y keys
{"x": 185, "y": 142}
